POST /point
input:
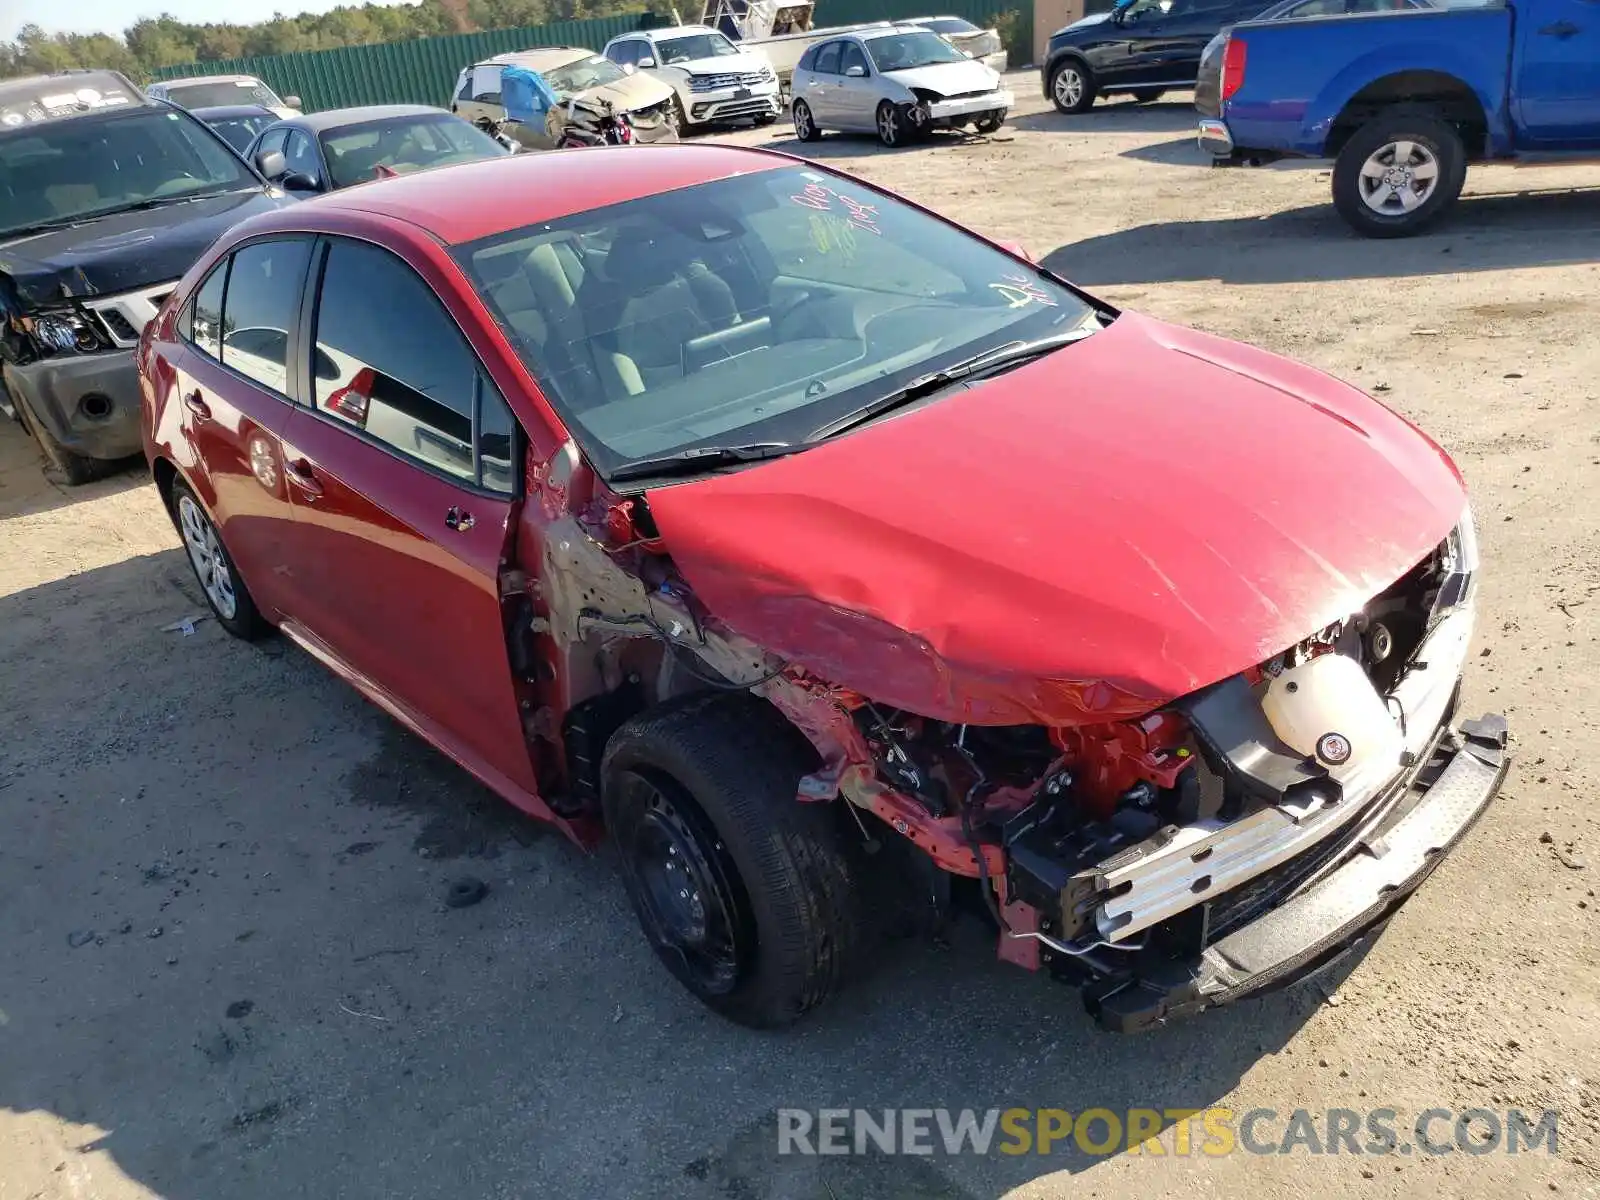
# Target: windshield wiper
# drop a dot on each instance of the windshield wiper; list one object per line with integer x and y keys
{"x": 699, "y": 458}
{"x": 1010, "y": 354}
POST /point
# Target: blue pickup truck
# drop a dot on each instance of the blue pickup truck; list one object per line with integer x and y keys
{"x": 1402, "y": 101}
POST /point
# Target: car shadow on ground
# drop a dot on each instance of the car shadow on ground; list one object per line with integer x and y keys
{"x": 1119, "y": 114}
{"x": 231, "y": 972}
{"x": 1499, "y": 231}
{"x": 27, "y": 489}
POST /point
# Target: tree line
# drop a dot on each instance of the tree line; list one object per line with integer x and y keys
{"x": 166, "y": 41}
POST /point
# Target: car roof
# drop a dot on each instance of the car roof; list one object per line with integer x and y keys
{"x": 337, "y": 118}
{"x": 217, "y": 112}
{"x": 674, "y": 30}
{"x": 468, "y": 201}
{"x": 188, "y": 79}
{"x": 22, "y": 100}
{"x": 540, "y": 57}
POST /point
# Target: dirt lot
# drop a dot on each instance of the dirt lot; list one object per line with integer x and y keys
{"x": 228, "y": 971}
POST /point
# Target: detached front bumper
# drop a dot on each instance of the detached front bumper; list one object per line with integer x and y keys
{"x": 967, "y": 106}
{"x": 89, "y": 403}
{"x": 1338, "y": 910}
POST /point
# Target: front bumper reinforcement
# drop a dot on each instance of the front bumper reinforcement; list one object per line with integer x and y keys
{"x": 1314, "y": 928}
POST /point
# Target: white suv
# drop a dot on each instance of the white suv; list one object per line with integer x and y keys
{"x": 713, "y": 79}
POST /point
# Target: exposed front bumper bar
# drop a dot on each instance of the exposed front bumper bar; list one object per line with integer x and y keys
{"x": 944, "y": 109}
{"x": 1319, "y": 925}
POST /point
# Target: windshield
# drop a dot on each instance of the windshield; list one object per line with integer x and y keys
{"x": 59, "y": 172}
{"x": 582, "y": 75}
{"x": 403, "y": 144}
{"x": 698, "y": 45}
{"x": 756, "y": 308}
{"x": 906, "y": 51}
{"x": 221, "y": 94}
{"x": 241, "y": 131}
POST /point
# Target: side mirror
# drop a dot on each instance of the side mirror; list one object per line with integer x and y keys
{"x": 291, "y": 102}
{"x": 856, "y": 71}
{"x": 297, "y": 181}
{"x": 646, "y": 63}
{"x": 271, "y": 164}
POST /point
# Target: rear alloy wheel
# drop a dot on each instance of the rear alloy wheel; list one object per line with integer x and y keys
{"x": 1397, "y": 175}
{"x": 805, "y": 125}
{"x": 1072, "y": 88}
{"x": 892, "y": 126}
{"x": 230, "y": 601}
{"x": 749, "y": 896}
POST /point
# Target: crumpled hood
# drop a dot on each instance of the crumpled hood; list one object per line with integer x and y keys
{"x": 629, "y": 93}
{"x": 948, "y": 79}
{"x": 1084, "y": 538}
{"x": 124, "y": 251}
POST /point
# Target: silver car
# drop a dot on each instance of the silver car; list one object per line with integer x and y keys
{"x": 897, "y": 82}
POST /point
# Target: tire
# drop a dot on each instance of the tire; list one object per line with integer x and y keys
{"x": 762, "y": 122}
{"x": 1375, "y": 204}
{"x": 1064, "y": 95}
{"x": 805, "y": 125}
{"x": 679, "y": 118}
{"x": 709, "y": 783}
{"x": 989, "y": 122}
{"x": 1148, "y": 96}
{"x": 893, "y": 129}
{"x": 202, "y": 543}
{"x": 74, "y": 468}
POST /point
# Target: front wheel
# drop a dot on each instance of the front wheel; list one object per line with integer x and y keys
{"x": 893, "y": 129}
{"x": 1072, "y": 87}
{"x": 990, "y": 122}
{"x": 1397, "y": 175}
{"x": 749, "y": 896}
{"x": 805, "y": 125}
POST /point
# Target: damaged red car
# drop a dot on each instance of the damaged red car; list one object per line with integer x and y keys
{"x": 839, "y": 565}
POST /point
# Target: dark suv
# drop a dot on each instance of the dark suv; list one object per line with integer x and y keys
{"x": 106, "y": 198}
{"x": 1145, "y": 48}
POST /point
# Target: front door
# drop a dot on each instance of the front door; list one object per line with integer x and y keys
{"x": 402, "y": 480}
{"x": 858, "y": 98}
{"x": 1557, "y": 88}
{"x": 1170, "y": 51}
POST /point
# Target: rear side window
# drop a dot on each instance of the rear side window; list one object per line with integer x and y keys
{"x": 808, "y": 60}
{"x": 202, "y": 323}
{"x": 403, "y": 374}
{"x": 263, "y": 298}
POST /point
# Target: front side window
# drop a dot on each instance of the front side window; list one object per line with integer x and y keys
{"x": 758, "y": 308}
{"x": 692, "y": 46}
{"x": 852, "y": 56}
{"x": 828, "y": 59}
{"x": 908, "y": 51}
{"x": 403, "y": 144}
{"x": 486, "y": 84}
{"x": 262, "y": 302}
{"x": 71, "y": 170}
{"x": 223, "y": 93}
{"x": 301, "y": 156}
{"x": 624, "y": 54}
{"x": 401, "y": 372}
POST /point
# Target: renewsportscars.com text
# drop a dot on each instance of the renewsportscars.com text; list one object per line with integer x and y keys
{"x": 1211, "y": 1132}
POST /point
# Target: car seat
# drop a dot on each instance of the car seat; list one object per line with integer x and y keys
{"x": 666, "y": 299}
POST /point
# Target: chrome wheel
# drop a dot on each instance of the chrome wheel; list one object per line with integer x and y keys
{"x": 1398, "y": 177}
{"x": 1069, "y": 87}
{"x": 888, "y": 125}
{"x": 803, "y": 125}
{"x": 205, "y": 553}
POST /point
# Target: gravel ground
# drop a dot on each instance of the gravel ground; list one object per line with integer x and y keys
{"x": 228, "y": 970}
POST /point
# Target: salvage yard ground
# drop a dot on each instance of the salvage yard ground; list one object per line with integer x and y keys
{"x": 226, "y": 970}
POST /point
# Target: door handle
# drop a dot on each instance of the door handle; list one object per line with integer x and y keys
{"x": 458, "y": 520}
{"x": 301, "y": 475}
{"x": 1561, "y": 29}
{"x": 200, "y": 409}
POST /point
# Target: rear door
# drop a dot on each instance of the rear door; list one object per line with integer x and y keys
{"x": 1556, "y": 83}
{"x": 233, "y": 403}
{"x": 403, "y": 481}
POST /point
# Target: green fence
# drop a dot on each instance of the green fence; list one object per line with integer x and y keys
{"x": 424, "y": 71}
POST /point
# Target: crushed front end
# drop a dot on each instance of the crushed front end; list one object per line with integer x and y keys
{"x": 1236, "y": 840}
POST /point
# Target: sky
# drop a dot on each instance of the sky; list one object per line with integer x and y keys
{"x": 113, "y": 16}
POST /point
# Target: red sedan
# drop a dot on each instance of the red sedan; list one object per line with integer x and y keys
{"x": 840, "y": 565}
